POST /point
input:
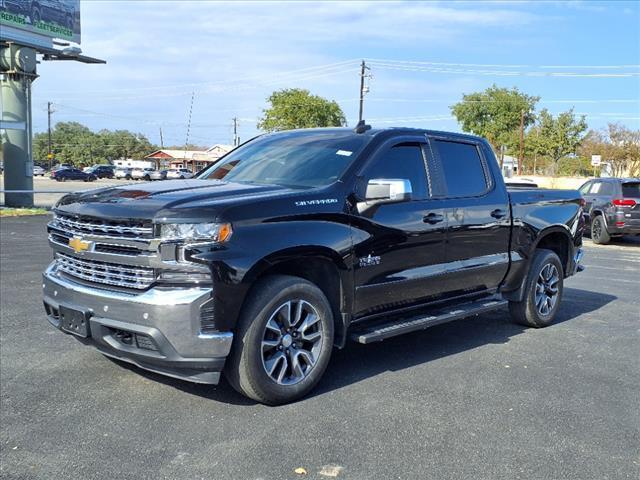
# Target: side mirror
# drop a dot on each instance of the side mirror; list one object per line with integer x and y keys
{"x": 383, "y": 190}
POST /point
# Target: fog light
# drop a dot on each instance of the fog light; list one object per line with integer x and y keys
{"x": 178, "y": 276}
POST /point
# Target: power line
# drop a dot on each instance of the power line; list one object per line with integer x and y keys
{"x": 292, "y": 75}
{"x": 502, "y": 65}
{"x": 502, "y": 73}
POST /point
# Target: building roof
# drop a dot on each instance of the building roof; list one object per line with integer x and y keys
{"x": 212, "y": 153}
{"x": 175, "y": 154}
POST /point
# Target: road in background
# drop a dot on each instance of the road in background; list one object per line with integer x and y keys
{"x": 477, "y": 399}
{"x": 45, "y": 184}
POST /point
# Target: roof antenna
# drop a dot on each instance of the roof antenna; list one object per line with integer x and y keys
{"x": 362, "y": 127}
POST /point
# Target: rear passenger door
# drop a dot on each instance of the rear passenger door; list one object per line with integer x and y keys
{"x": 478, "y": 216}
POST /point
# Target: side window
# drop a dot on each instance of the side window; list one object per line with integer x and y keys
{"x": 403, "y": 161}
{"x": 584, "y": 189}
{"x": 463, "y": 171}
{"x": 595, "y": 188}
{"x": 606, "y": 189}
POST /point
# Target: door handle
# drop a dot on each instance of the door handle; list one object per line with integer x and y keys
{"x": 497, "y": 213}
{"x": 432, "y": 218}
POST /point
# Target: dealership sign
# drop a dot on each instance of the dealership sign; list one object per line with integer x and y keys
{"x": 24, "y": 19}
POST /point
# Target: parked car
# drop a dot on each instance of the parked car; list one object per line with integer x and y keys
{"x": 179, "y": 173}
{"x": 158, "y": 175}
{"x": 123, "y": 173}
{"x": 298, "y": 241}
{"x": 38, "y": 171}
{"x": 101, "y": 171}
{"x": 142, "y": 173}
{"x": 65, "y": 174}
{"x": 612, "y": 208}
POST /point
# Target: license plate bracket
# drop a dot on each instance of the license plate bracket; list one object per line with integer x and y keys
{"x": 74, "y": 321}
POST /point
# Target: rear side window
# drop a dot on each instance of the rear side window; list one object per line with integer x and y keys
{"x": 631, "y": 190}
{"x": 403, "y": 161}
{"x": 602, "y": 188}
{"x": 463, "y": 171}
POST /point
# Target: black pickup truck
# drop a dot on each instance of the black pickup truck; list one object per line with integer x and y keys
{"x": 298, "y": 241}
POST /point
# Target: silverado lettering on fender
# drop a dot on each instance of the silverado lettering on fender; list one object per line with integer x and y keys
{"x": 297, "y": 241}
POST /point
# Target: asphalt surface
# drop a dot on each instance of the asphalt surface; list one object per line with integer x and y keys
{"x": 477, "y": 399}
{"x": 48, "y": 189}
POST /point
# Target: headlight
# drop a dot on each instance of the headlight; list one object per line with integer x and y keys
{"x": 214, "y": 232}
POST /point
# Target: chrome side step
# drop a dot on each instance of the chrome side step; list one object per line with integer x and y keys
{"x": 393, "y": 328}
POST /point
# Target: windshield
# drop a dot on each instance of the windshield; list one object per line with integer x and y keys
{"x": 293, "y": 159}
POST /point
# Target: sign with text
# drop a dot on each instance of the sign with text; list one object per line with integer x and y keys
{"x": 42, "y": 18}
{"x": 596, "y": 160}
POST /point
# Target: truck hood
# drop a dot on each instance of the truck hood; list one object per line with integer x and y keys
{"x": 148, "y": 201}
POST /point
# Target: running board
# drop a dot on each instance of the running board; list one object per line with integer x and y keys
{"x": 423, "y": 321}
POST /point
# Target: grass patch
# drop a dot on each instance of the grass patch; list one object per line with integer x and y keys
{"x": 19, "y": 212}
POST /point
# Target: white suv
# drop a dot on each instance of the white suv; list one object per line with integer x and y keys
{"x": 179, "y": 173}
{"x": 142, "y": 173}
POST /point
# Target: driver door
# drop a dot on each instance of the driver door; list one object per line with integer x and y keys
{"x": 399, "y": 247}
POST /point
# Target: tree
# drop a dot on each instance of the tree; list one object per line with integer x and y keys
{"x": 297, "y": 108}
{"x": 619, "y": 147}
{"x": 558, "y": 137}
{"x": 75, "y": 143}
{"x": 495, "y": 114}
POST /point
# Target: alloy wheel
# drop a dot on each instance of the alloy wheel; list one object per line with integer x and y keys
{"x": 547, "y": 289}
{"x": 292, "y": 342}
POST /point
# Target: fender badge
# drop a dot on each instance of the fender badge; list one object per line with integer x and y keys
{"x": 369, "y": 261}
{"x": 79, "y": 245}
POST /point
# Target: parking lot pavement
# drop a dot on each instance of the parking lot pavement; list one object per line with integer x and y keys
{"x": 46, "y": 184}
{"x": 477, "y": 399}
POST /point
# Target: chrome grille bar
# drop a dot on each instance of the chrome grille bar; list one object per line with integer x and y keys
{"x": 105, "y": 273}
{"x": 100, "y": 227}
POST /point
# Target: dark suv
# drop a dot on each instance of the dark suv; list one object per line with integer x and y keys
{"x": 612, "y": 207}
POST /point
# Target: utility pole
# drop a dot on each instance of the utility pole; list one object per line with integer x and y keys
{"x": 363, "y": 90}
{"x": 521, "y": 169}
{"x": 161, "y": 140}
{"x": 49, "y": 151}
{"x": 236, "y": 140}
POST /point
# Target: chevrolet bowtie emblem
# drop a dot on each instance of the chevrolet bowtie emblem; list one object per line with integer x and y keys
{"x": 79, "y": 245}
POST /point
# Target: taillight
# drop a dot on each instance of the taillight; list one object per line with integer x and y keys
{"x": 624, "y": 202}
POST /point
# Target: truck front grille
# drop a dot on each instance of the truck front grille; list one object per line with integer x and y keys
{"x": 97, "y": 226}
{"x": 125, "y": 276}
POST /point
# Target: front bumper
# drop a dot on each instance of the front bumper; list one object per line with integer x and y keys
{"x": 157, "y": 330}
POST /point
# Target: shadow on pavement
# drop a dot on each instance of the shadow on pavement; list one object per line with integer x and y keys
{"x": 357, "y": 362}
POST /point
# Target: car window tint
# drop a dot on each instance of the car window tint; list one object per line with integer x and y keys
{"x": 631, "y": 189}
{"x": 463, "y": 171}
{"x": 606, "y": 189}
{"x": 584, "y": 189}
{"x": 403, "y": 162}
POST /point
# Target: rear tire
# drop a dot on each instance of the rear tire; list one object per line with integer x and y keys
{"x": 271, "y": 362}
{"x": 599, "y": 234}
{"x": 542, "y": 291}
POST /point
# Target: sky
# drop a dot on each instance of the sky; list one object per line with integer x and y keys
{"x": 229, "y": 57}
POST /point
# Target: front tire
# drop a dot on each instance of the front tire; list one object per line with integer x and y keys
{"x": 283, "y": 341}
{"x": 599, "y": 234}
{"x": 543, "y": 291}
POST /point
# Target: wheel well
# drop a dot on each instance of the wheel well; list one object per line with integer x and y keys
{"x": 559, "y": 243}
{"x": 323, "y": 273}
